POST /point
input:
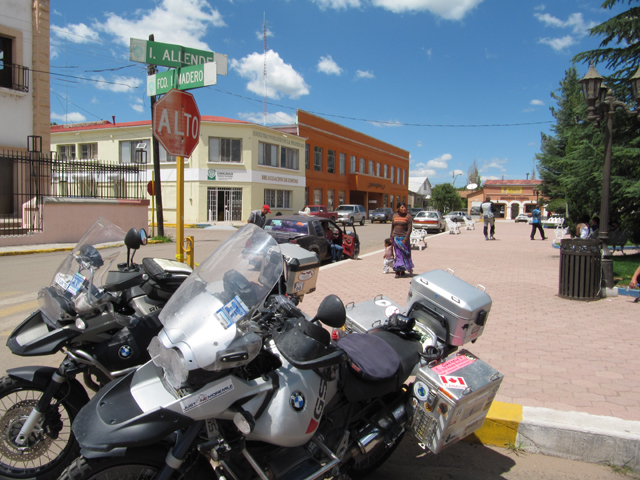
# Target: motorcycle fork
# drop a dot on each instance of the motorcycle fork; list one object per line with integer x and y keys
{"x": 37, "y": 414}
{"x": 176, "y": 456}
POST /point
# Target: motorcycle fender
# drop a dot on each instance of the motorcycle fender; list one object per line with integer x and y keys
{"x": 114, "y": 420}
{"x": 33, "y": 337}
{"x": 40, "y": 376}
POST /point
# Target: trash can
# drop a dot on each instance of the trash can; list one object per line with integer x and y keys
{"x": 580, "y": 270}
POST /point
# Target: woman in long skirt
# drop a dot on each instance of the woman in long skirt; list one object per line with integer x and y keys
{"x": 401, "y": 226}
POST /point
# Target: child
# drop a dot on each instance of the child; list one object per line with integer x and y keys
{"x": 388, "y": 256}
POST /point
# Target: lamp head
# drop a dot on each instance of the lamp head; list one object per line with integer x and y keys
{"x": 635, "y": 87}
{"x": 592, "y": 90}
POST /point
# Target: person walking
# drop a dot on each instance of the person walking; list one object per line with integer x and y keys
{"x": 258, "y": 217}
{"x": 401, "y": 226}
{"x": 536, "y": 223}
{"x": 388, "y": 256}
{"x": 489, "y": 219}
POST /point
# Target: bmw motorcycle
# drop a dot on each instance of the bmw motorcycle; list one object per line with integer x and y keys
{"x": 102, "y": 319}
{"x": 243, "y": 385}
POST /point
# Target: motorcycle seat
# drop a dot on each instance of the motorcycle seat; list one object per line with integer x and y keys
{"x": 357, "y": 388}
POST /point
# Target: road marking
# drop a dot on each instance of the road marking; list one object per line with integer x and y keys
{"x": 23, "y": 307}
{"x": 22, "y": 298}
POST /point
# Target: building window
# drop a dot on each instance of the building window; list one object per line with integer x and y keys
{"x": 267, "y": 154}
{"x": 377, "y": 169}
{"x": 6, "y": 62}
{"x": 66, "y": 152}
{"x": 225, "y": 150}
{"x": 306, "y": 157}
{"x": 331, "y": 161}
{"x": 277, "y": 198}
{"x": 370, "y": 167}
{"x": 404, "y": 177}
{"x": 317, "y": 159}
{"x": 343, "y": 161}
{"x": 135, "y": 151}
{"x": 386, "y": 172}
{"x": 385, "y": 199}
{"x": 353, "y": 164}
{"x": 392, "y": 172}
{"x": 306, "y": 196}
{"x": 362, "y": 165}
{"x": 88, "y": 151}
{"x": 330, "y": 198}
{"x": 391, "y": 205}
{"x": 341, "y": 196}
{"x": 165, "y": 157}
{"x": 288, "y": 158}
{"x": 317, "y": 196}
{"x": 398, "y": 176}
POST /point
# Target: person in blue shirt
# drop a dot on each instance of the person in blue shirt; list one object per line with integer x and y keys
{"x": 536, "y": 224}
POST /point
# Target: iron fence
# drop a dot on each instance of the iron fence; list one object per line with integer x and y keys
{"x": 26, "y": 178}
{"x": 15, "y": 77}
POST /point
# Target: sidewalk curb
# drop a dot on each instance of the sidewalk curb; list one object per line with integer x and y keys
{"x": 572, "y": 435}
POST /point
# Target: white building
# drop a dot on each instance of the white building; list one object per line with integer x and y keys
{"x": 419, "y": 191}
{"x": 236, "y": 167}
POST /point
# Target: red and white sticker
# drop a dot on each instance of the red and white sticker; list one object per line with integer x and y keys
{"x": 453, "y": 382}
{"x": 391, "y": 310}
{"x": 452, "y": 365}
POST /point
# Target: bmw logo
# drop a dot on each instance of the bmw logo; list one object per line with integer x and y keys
{"x": 125, "y": 351}
{"x": 296, "y": 400}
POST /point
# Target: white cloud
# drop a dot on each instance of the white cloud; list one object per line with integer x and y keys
{"x": 362, "y": 74}
{"x": 421, "y": 171}
{"x": 79, "y": 33}
{"x": 282, "y": 79}
{"x": 419, "y": 143}
{"x": 117, "y": 84}
{"x": 390, "y": 123}
{"x": 456, "y": 172}
{"x": 537, "y": 102}
{"x": 439, "y": 162}
{"x": 138, "y": 105}
{"x": 183, "y": 22}
{"x": 329, "y": 66}
{"x": 71, "y": 117}
{"x": 447, "y": 9}
{"x": 494, "y": 163}
{"x": 559, "y": 44}
{"x": 260, "y": 34}
{"x": 273, "y": 118}
{"x": 337, "y": 4}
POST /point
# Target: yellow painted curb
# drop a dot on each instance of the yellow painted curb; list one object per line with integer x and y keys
{"x": 500, "y": 428}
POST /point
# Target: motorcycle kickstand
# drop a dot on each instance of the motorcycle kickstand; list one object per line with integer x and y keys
{"x": 37, "y": 413}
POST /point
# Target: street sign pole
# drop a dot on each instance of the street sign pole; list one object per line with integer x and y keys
{"x": 180, "y": 209}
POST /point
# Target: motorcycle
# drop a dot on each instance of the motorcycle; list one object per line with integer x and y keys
{"x": 242, "y": 379}
{"x": 102, "y": 320}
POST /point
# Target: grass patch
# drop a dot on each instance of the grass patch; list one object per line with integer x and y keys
{"x": 517, "y": 449}
{"x": 623, "y": 470}
{"x": 624, "y": 268}
{"x": 164, "y": 239}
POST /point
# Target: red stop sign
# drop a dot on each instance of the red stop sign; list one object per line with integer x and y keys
{"x": 176, "y": 123}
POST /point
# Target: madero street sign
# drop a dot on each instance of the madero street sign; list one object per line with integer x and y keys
{"x": 176, "y": 123}
{"x": 182, "y": 78}
{"x": 169, "y": 55}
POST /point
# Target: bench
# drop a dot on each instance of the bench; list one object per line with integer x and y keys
{"x": 453, "y": 227}
{"x": 618, "y": 238}
{"x": 418, "y": 236}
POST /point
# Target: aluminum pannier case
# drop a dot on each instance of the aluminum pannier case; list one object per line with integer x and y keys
{"x": 451, "y": 399}
{"x": 369, "y": 315}
{"x": 302, "y": 269}
{"x": 455, "y": 310}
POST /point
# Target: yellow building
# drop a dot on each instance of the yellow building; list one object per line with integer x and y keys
{"x": 236, "y": 167}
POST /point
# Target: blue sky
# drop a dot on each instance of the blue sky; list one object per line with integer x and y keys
{"x": 423, "y": 75}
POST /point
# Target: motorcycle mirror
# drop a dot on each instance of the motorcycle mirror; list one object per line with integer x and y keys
{"x": 331, "y": 312}
{"x": 133, "y": 239}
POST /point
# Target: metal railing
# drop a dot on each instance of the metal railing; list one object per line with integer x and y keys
{"x": 26, "y": 178}
{"x": 15, "y": 77}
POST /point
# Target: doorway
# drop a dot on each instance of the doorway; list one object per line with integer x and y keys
{"x": 224, "y": 204}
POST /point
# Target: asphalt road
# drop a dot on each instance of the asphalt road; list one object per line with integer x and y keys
{"x": 24, "y": 275}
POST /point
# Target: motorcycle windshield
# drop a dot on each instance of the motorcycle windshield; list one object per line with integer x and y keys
{"x": 83, "y": 271}
{"x": 212, "y": 308}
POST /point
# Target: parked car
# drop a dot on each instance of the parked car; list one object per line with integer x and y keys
{"x": 318, "y": 211}
{"x": 415, "y": 210}
{"x": 308, "y": 232}
{"x": 382, "y": 215}
{"x": 523, "y": 217}
{"x": 429, "y": 221}
{"x": 476, "y": 211}
{"x": 351, "y": 214}
{"x": 457, "y": 216}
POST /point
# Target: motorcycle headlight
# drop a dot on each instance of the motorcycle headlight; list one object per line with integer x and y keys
{"x": 170, "y": 360}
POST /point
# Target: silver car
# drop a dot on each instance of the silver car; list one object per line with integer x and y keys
{"x": 429, "y": 221}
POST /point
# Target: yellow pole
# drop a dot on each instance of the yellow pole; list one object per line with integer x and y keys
{"x": 180, "y": 209}
{"x": 153, "y": 205}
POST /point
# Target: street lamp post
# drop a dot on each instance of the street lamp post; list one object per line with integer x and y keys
{"x": 602, "y": 106}
{"x": 455, "y": 175}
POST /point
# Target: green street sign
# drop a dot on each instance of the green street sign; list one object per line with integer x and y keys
{"x": 182, "y": 78}
{"x": 169, "y": 55}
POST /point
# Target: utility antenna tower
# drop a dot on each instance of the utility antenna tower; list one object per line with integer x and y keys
{"x": 264, "y": 77}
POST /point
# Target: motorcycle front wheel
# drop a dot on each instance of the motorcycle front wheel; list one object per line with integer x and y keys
{"x": 51, "y": 446}
{"x": 137, "y": 464}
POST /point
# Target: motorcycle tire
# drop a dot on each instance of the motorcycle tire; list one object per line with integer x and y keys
{"x": 45, "y": 457}
{"x": 363, "y": 465}
{"x": 141, "y": 464}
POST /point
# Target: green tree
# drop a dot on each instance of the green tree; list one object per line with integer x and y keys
{"x": 473, "y": 174}
{"x": 445, "y": 198}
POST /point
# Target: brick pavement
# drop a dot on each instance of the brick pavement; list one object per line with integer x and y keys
{"x": 566, "y": 355}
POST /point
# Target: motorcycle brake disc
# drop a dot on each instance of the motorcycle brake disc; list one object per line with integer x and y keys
{"x": 10, "y": 425}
